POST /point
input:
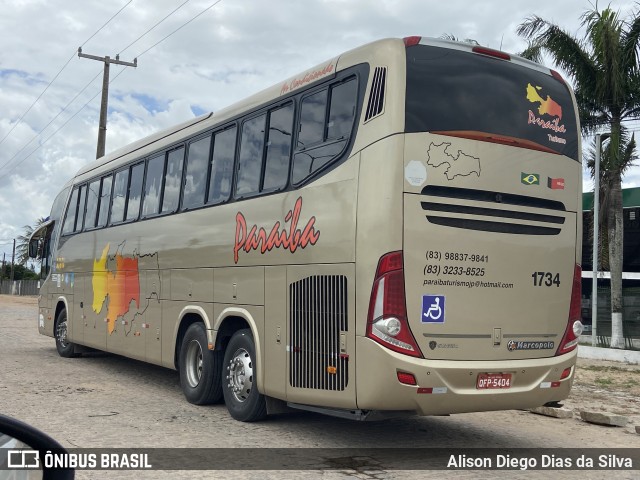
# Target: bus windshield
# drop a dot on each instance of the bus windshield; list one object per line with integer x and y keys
{"x": 450, "y": 90}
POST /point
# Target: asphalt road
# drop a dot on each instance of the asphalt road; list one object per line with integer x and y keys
{"x": 105, "y": 401}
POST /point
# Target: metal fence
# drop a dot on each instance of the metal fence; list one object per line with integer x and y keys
{"x": 630, "y": 314}
{"x": 19, "y": 287}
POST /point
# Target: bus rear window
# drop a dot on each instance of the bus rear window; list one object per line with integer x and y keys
{"x": 458, "y": 91}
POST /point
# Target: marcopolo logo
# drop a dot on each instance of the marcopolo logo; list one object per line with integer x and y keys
{"x": 513, "y": 345}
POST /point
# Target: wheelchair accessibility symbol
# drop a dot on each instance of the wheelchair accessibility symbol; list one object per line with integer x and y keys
{"x": 433, "y": 308}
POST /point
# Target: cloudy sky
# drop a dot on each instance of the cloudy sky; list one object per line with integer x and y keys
{"x": 233, "y": 49}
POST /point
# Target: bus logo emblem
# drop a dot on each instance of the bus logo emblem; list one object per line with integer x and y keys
{"x": 291, "y": 239}
{"x": 433, "y": 308}
{"x": 530, "y": 178}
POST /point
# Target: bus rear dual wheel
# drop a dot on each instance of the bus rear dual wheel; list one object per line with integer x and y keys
{"x": 207, "y": 376}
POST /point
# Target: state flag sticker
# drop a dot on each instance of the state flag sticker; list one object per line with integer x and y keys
{"x": 555, "y": 183}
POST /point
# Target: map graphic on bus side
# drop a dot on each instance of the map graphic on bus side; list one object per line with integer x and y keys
{"x": 458, "y": 165}
{"x": 119, "y": 287}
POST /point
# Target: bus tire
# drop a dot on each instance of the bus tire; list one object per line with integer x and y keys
{"x": 65, "y": 348}
{"x": 200, "y": 368}
{"x": 244, "y": 402}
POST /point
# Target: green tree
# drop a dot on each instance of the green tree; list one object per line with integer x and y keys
{"x": 453, "y": 38}
{"x": 22, "y": 242}
{"x": 20, "y": 272}
{"x": 604, "y": 69}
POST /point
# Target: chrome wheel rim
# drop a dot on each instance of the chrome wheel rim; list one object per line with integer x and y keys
{"x": 61, "y": 333}
{"x": 194, "y": 363}
{"x": 240, "y": 375}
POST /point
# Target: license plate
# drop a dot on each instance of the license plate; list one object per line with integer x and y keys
{"x": 493, "y": 380}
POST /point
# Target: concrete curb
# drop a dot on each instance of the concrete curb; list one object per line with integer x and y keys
{"x": 594, "y": 353}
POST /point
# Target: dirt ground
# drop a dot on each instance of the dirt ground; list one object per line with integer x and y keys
{"x": 601, "y": 386}
{"x": 605, "y": 386}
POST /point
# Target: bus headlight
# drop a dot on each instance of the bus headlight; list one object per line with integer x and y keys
{"x": 577, "y": 328}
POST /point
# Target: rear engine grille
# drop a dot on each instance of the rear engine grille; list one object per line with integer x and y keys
{"x": 484, "y": 203}
{"x": 318, "y": 317}
{"x": 376, "y": 98}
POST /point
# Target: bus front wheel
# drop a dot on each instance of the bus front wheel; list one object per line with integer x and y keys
{"x": 240, "y": 387}
{"x": 63, "y": 345}
{"x": 200, "y": 368}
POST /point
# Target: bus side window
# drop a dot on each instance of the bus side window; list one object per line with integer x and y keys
{"x": 312, "y": 119}
{"x": 81, "y": 206}
{"x": 70, "y": 217}
{"x": 250, "y": 160}
{"x": 195, "y": 180}
{"x": 105, "y": 201}
{"x": 93, "y": 195}
{"x": 224, "y": 149}
{"x": 319, "y": 141}
{"x": 119, "y": 198}
{"x": 135, "y": 192}
{"x": 172, "y": 180}
{"x": 276, "y": 165}
{"x": 153, "y": 186}
{"x": 342, "y": 110}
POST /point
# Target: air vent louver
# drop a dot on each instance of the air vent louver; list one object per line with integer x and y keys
{"x": 318, "y": 316}
{"x": 375, "y": 106}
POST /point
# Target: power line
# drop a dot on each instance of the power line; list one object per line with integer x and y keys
{"x": 105, "y": 24}
{"x": 158, "y": 23}
{"x": 58, "y": 74}
{"x": 181, "y": 26}
{"x": 47, "y": 125}
{"x": 98, "y": 93}
{"x": 6, "y": 174}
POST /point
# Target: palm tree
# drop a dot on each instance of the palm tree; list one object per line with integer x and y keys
{"x": 22, "y": 242}
{"x": 453, "y": 38}
{"x": 605, "y": 71}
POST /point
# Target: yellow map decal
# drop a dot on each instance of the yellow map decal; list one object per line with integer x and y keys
{"x": 120, "y": 287}
{"x": 548, "y": 106}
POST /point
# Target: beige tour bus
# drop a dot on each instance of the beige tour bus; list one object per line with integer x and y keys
{"x": 394, "y": 231}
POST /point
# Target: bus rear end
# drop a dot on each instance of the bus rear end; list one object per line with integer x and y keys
{"x": 480, "y": 309}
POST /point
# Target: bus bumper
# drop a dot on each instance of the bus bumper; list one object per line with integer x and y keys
{"x": 446, "y": 386}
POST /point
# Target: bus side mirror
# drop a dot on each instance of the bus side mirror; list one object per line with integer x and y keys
{"x": 33, "y": 248}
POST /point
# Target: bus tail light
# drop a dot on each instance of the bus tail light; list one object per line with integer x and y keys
{"x": 491, "y": 52}
{"x": 387, "y": 320}
{"x": 574, "y": 325}
{"x": 411, "y": 41}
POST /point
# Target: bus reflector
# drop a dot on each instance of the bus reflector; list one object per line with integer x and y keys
{"x": 495, "y": 138}
{"x": 491, "y": 52}
{"x": 574, "y": 326}
{"x": 407, "y": 378}
{"x": 387, "y": 319}
{"x": 557, "y": 76}
{"x": 411, "y": 41}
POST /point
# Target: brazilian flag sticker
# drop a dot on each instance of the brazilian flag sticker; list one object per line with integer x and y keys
{"x": 530, "y": 178}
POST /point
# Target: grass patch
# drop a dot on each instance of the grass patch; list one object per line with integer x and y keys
{"x": 604, "y": 368}
{"x": 605, "y": 381}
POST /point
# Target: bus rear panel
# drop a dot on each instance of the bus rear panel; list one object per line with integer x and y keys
{"x": 477, "y": 310}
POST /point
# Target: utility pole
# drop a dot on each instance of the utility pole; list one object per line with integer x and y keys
{"x": 102, "y": 130}
{"x": 13, "y": 258}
